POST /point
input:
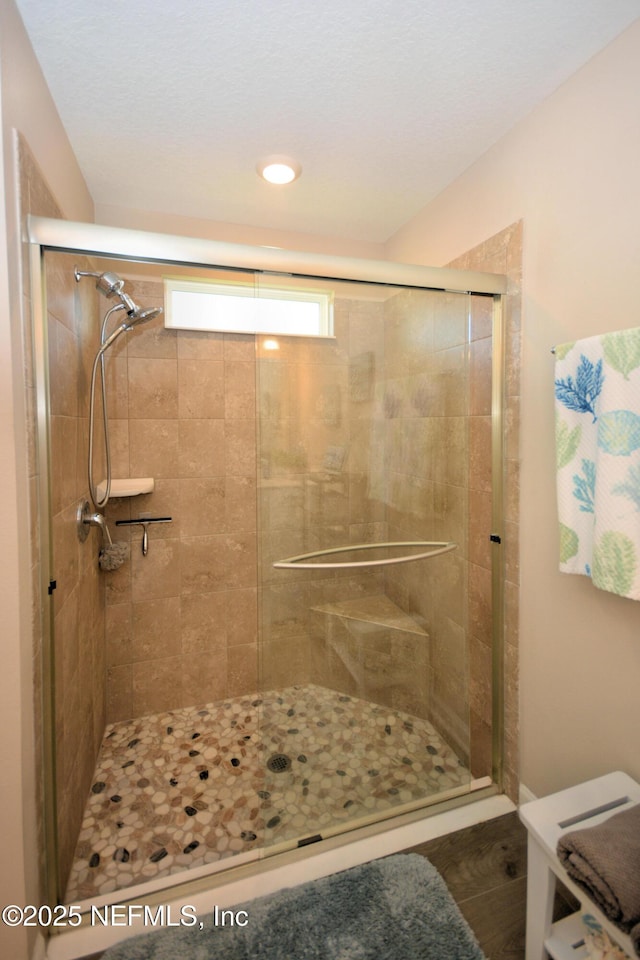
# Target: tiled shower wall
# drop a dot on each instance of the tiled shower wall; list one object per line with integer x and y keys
{"x": 78, "y": 600}
{"x": 501, "y": 253}
{"x": 181, "y": 622}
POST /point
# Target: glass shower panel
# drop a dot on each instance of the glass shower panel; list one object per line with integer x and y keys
{"x": 363, "y": 654}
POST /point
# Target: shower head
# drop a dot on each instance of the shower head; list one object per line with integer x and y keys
{"x": 111, "y": 285}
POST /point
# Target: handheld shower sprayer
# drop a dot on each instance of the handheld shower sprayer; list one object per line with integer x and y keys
{"x": 111, "y": 286}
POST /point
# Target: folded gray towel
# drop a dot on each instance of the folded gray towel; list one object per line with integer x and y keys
{"x": 605, "y": 861}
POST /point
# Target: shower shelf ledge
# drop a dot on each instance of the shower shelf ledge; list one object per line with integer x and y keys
{"x": 129, "y": 487}
{"x": 378, "y": 609}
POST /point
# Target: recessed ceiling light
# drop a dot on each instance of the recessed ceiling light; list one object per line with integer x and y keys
{"x": 279, "y": 169}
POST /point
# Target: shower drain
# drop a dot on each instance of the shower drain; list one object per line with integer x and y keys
{"x": 279, "y": 762}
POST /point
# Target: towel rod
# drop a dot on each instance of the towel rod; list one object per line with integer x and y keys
{"x": 305, "y": 560}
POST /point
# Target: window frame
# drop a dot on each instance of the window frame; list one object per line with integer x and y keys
{"x": 255, "y": 290}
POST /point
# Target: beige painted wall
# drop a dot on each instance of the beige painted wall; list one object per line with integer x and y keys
{"x": 570, "y": 171}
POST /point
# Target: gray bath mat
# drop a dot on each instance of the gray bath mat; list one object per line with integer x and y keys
{"x": 397, "y": 908}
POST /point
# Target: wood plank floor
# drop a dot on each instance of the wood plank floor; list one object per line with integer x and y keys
{"x": 485, "y": 869}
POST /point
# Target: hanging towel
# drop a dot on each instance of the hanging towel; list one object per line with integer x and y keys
{"x": 597, "y": 389}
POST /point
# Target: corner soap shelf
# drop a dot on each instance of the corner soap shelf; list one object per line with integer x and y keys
{"x": 130, "y": 487}
{"x": 377, "y": 610}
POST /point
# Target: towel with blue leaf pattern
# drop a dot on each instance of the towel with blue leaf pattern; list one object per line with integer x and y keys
{"x": 597, "y": 388}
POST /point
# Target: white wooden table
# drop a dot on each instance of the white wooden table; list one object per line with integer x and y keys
{"x": 546, "y": 820}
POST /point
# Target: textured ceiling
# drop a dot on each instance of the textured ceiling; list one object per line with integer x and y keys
{"x": 170, "y": 105}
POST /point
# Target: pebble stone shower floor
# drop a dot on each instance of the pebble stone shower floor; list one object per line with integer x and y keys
{"x": 189, "y": 787}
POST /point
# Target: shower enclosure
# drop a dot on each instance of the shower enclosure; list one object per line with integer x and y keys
{"x": 288, "y": 659}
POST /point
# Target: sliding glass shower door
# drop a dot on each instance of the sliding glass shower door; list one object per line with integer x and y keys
{"x": 364, "y": 501}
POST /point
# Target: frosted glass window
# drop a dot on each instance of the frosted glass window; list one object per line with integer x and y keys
{"x": 247, "y": 308}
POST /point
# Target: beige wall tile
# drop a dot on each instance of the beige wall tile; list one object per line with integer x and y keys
{"x": 284, "y": 662}
{"x": 203, "y": 565}
{"x": 61, "y": 289}
{"x": 512, "y": 551}
{"x": 200, "y": 345}
{"x": 240, "y": 504}
{"x": 240, "y": 448}
{"x": 239, "y": 389}
{"x": 242, "y": 669}
{"x": 152, "y": 340}
{"x": 480, "y": 317}
{"x": 153, "y": 388}
{"x": 480, "y": 366}
{"x": 203, "y": 623}
{"x": 512, "y": 497}
{"x": 512, "y": 428}
{"x": 242, "y": 616}
{"x": 285, "y": 609}
{"x": 119, "y": 634}
{"x": 480, "y": 516}
{"x": 241, "y": 558}
{"x": 481, "y": 747}
{"x": 156, "y": 629}
{"x": 201, "y": 389}
{"x": 204, "y": 677}
{"x": 202, "y": 506}
{"x": 66, "y": 551}
{"x": 117, "y": 380}
{"x": 120, "y": 693}
{"x": 201, "y": 448}
{"x": 277, "y": 389}
{"x": 451, "y": 321}
{"x": 64, "y": 354}
{"x": 119, "y": 445}
{"x": 64, "y": 467}
{"x": 480, "y": 618}
{"x": 479, "y": 461}
{"x": 156, "y": 685}
{"x": 153, "y": 448}
{"x": 157, "y": 575}
{"x": 239, "y": 346}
